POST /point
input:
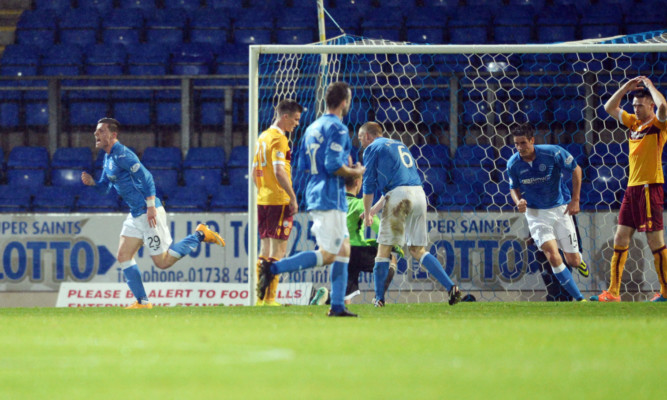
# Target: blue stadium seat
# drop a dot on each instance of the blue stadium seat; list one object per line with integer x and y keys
{"x": 434, "y": 155}
{"x": 192, "y": 59}
{"x": 387, "y": 25}
{"x": 569, "y": 109}
{"x": 238, "y": 178}
{"x": 102, "y": 6}
{"x": 14, "y": 199}
{"x": 30, "y": 178}
{"x": 62, "y": 59}
{"x": 34, "y": 157}
{"x": 182, "y": 4}
{"x": 599, "y": 22}
{"x": 72, "y": 157}
{"x": 578, "y": 152}
{"x": 238, "y": 157}
{"x": 474, "y": 155}
{"x": 165, "y": 26}
{"x": 37, "y": 113}
{"x": 19, "y": 54}
{"x": 145, "y": 5}
{"x": 9, "y": 114}
{"x": 609, "y": 154}
{"x": 205, "y": 157}
{"x": 557, "y": 23}
{"x": 133, "y": 113}
{"x": 168, "y": 113}
{"x": 645, "y": 17}
{"x": 252, "y": 36}
{"x": 67, "y": 177}
{"x": 122, "y": 26}
{"x": 204, "y": 177}
{"x": 187, "y": 200}
{"x": 147, "y": 59}
{"x": 55, "y": 6}
{"x": 166, "y": 180}
{"x": 210, "y": 26}
{"x": 474, "y": 177}
{"x": 103, "y": 59}
{"x": 514, "y": 25}
{"x": 92, "y": 200}
{"x": 211, "y": 113}
{"x": 295, "y": 36}
{"x": 611, "y": 177}
{"x": 79, "y": 26}
{"x": 227, "y": 199}
{"x": 85, "y": 113}
{"x": 505, "y": 153}
{"x": 469, "y": 25}
{"x": 54, "y": 199}
{"x": 435, "y": 180}
{"x": 37, "y": 28}
{"x": 162, "y": 158}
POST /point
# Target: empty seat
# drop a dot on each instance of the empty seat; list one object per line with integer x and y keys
{"x": 79, "y": 26}
{"x": 102, "y": 6}
{"x": 166, "y": 180}
{"x": 165, "y": 26}
{"x": 14, "y": 199}
{"x": 30, "y": 178}
{"x": 145, "y": 5}
{"x": 67, "y": 177}
{"x": 36, "y": 27}
{"x": 472, "y": 155}
{"x": 31, "y": 157}
{"x": 182, "y": 4}
{"x": 54, "y": 199}
{"x": 72, "y": 157}
{"x": 187, "y": 201}
{"x": 93, "y": 200}
{"x": 122, "y": 26}
{"x": 205, "y": 157}
{"x": 162, "y": 158}
{"x": 210, "y": 26}
{"x": 202, "y": 176}
{"x": 227, "y": 200}
{"x": 147, "y": 59}
{"x": 609, "y": 154}
{"x": 192, "y": 59}
{"x": 62, "y": 59}
{"x": 103, "y": 59}
{"x": 238, "y": 157}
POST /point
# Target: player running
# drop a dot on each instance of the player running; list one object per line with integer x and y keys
{"x": 147, "y": 221}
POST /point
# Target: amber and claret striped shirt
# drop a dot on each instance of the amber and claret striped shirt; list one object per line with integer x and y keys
{"x": 272, "y": 149}
{"x": 645, "y": 142}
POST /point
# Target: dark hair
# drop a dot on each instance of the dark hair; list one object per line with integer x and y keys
{"x": 641, "y": 92}
{"x": 337, "y": 92}
{"x": 288, "y": 106}
{"x": 113, "y": 124}
{"x": 350, "y": 180}
{"x": 526, "y": 130}
{"x": 372, "y": 128}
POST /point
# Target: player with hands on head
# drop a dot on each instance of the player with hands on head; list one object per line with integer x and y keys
{"x": 276, "y": 200}
{"x": 147, "y": 221}
{"x": 641, "y": 209}
{"x": 535, "y": 175}
{"x": 325, "y": 149}
{"x": 391, "y": 170}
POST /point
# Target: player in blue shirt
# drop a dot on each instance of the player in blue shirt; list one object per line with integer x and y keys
{"x": 535, "y": 174}
{"x": 325, "y": 150}
{"x": 391, "y": 170}
{"x": 147, "y": 221}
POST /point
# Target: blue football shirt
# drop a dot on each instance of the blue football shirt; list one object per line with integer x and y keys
{"x": 389, "y": 164}
{"x": 124, "y": 172}
{"x": 325, "y": 149}
{"x": 540, "y": 181}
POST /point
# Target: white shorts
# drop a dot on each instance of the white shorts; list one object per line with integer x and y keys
{"x": 157, "y": 239}
{"x": 403, "y": 219}
{"x": 330, "y": 229}
{"x": 553, "y": 224}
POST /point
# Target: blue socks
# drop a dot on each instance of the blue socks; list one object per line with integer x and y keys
{"x": 434, "y": 268}
{"x": 299, "y": 261}
{"x": 133, "y": 277}
{"x": 380, "y": 272}
{"x": 338, "y": 283}
{"x": 566, "y": 280}
{"x": 185, "y": 246}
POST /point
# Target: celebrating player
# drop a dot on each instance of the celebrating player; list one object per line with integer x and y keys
{"x": 147, "y": 221}
{"x": 276, "y": 200}
{"x": 641, "y": 209}
{"x": 535, "y": 185}
{"x": 326, "y": 147}
{"x": 391, "y": 170}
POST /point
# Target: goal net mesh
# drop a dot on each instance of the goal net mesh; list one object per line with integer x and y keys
{"x": 454, "y": 112}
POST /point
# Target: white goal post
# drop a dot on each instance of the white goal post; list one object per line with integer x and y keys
{"x": 460, "y": 100}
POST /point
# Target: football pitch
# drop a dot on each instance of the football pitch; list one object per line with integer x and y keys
{"x": 404, "y": 351}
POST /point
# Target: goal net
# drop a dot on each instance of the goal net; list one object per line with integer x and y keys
{"x": 453, "y": 107}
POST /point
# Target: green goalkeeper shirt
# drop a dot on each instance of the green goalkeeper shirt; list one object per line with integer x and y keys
{"x": 355, "y": 225}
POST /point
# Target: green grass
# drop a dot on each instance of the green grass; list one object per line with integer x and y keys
{"x": 404, "y": 351}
